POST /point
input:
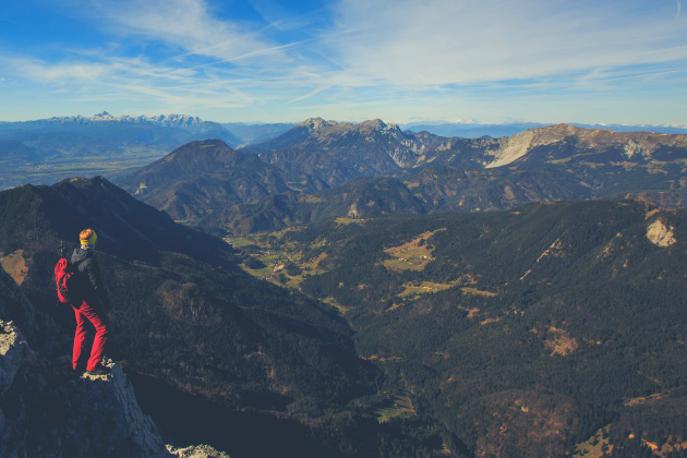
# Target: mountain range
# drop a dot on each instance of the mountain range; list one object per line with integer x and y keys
{"x": 46, "y": 151}
{"x": 373, "y": 291}
{"x": 474, "y": 129}
{"x": 323, "y": 169}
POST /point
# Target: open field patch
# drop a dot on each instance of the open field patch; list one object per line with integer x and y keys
{"x": 471, "y": 291}
{"x": 268, "y": 257}
{"x": 426, "y": 287}
{"x": 330, "y": 301}
{"x": 597, "y": 446}
{"x": 560, "y": 342}
{"x": 346, "y": 220}
{"x": 402, "y": 406}
{"x": 413, "y": 255}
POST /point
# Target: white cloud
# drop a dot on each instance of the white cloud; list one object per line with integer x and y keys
{"x": 188, "y": 24}
{"x": 162, "y": 87}
{"x": 440, "y": 42}
{"x": 41, "y": 71}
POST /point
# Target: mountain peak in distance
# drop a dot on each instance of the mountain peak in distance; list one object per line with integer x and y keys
{"x": 370, "y": 125}
{"x": 317, "y": 123}
{"x": 167, "y": 120}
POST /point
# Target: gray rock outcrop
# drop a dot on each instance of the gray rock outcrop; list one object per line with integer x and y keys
{"x": 47, "y": 410}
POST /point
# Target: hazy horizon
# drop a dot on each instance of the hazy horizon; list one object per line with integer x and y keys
{"x": 434, "y": 122}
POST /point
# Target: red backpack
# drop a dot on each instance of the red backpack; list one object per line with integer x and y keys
{"x": 66, "y": 281}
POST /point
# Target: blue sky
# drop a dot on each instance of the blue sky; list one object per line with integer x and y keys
{"x": 606, "y": 61}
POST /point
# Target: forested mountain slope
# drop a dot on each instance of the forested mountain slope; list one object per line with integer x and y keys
{"x": 525, "y": 333}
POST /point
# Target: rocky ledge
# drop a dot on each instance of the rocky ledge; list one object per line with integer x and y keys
{"x": 48, "y": 411}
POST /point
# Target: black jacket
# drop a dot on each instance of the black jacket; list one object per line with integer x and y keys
{"x": 88, "y": 269}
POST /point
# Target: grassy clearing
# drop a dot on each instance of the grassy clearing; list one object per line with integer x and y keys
{"x": 596, "y": 446}
{"x": 284, "y": 262}
{"x": 402, "y": 406}
{"x": 639, "y": 400}
{"x": 412, "y": 185}
{"x": 394, "y": 307}
{"x": 345, "y": 220}
{"x": 310, "y": 199}
{"x": 382, "y": 359}
{"x": 470, "y": 291}
{"x": 342, "y": 309}
{"x": 240, "y": 242}
{"x": 319, "y": 243}
{"x": 278, "y": 235}
{"x": 312, "y": 265}
{"x": 559, "y": 342}
{"x": 413, "y": 255}
{"x": 414, "y": 289}
{"x": 472, "y": 312}
{"x": 425, "y": 287}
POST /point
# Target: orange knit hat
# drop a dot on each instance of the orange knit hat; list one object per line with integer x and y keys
{"x": 88, "y": 237}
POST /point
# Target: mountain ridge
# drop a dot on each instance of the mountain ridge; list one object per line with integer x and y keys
{"x": 319, "y": 162}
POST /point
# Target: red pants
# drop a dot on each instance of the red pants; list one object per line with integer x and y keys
{"x": 99, "y": 321}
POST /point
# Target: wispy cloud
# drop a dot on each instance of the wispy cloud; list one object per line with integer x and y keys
{"x": 51, "y": 72}
{"x": 187, "y": 24}
{"x": 357, "y": 58}
{"x": 438, "y": 42}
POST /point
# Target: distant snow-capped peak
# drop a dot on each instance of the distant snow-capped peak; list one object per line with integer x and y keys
{"x": 176, "y": 120}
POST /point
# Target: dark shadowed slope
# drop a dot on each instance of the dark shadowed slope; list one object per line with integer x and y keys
{"x": 201, "y": 178}
{"x": 183, "y": 313}
{"x": 357, "y": 199}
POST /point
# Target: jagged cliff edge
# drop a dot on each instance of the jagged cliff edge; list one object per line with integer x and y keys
{"x": 47, "y": 411}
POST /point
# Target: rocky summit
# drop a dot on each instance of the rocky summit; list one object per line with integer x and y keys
{"x": 48, "y": 411}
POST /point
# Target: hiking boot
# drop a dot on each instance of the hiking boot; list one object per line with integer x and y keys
{"x": 100, "y": 370}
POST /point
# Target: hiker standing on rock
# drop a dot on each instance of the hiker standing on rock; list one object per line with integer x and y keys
{"x": 92, "y": 304}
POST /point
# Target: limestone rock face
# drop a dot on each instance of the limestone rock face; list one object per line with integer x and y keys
{"x": 48, "y": 411}
{"x": 109, "y": 415}
{"x": 45, "y": 410}
{"x": 661, "y": 234}
{"x": 196, "y": 451}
